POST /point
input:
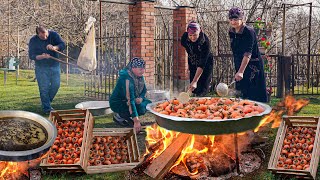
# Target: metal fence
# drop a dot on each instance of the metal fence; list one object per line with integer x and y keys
{"x": 112, "y": 57}
{"x": 163, "y": 55}
{"x": 305, "y": 75}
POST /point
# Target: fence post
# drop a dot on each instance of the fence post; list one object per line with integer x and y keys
{"x": 142, "y": 23}
{"x": 283, "y": 76}
{"x": 287, "y": 73}
{"x": 280, "y": 80}
{"x": 181, "y": 17}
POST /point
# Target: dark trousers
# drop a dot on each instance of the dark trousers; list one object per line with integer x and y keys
{"x": 49, "y": 83}
{"x": 141, "y": 109}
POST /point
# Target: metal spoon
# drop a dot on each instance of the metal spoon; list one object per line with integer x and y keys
{"x": 222, "y": 89}
{"x": 184, "y": 97}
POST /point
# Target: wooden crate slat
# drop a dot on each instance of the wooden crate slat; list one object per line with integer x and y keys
{"x": 89, "y": 124}
{"x": 316, "y": 153}
{"x": 294, "y": 173}
{"x": 273, "y": 159}
{"x": 109, "y": 134}
{"x": 97, "y": 169}
{"x": 135, "y": 146}
{"x": 130, "y": 152}
{"x": 125, "y": 130}
{"x": 68, "y": 111}
{"x": 74, "y": 119}
{"x": 296, "y": 121}
{"x": 77, "y": 115}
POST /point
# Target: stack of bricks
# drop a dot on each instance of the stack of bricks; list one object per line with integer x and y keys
{"x": 181, "y": 17}
{"x": 142, "y": 23}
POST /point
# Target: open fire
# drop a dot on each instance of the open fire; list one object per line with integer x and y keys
{"x": 209, "y": 155}
{"x": 17, "y": 170}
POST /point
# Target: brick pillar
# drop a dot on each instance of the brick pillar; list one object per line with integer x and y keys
{"x": 181, "y": 17}
{"x": 141, "y": 20}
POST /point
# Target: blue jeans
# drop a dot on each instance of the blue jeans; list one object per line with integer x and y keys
{"x": 49, "y": 83}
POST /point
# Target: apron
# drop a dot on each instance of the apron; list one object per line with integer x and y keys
{"x": 253, "y": 84}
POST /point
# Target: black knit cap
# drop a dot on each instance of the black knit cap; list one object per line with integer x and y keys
{"x": 236, "y": 12}
{"x": 137, "y": 63}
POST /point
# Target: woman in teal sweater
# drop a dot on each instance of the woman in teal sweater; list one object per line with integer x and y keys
{"x": 128, "y": 99}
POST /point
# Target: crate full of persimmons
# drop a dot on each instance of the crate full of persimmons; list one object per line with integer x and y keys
{"x": 111, "y": 150}
{"x": 296, "y": 149}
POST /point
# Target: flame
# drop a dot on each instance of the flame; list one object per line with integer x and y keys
{"x": 211, "y": 139}
{"x": 289, "y": 106}
{"x": 14, "y": 170}
{"x": 156, "y": 134}
{"x": 192, "y": 151}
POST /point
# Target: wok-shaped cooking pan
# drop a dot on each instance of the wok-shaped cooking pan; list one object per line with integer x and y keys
{"x": 23, "y": 155}
{"x": 208, "y": 126}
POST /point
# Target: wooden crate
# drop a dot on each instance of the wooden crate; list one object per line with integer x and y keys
{"x": 293, "y": 121}
{"x": 70, "y": 115}
{"x": 133, "y": 150}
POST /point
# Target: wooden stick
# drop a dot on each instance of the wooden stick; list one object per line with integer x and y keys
{"x": 162, "y": 164}
{"x": 61, "y": 61}
{"x": 64, "y": 55}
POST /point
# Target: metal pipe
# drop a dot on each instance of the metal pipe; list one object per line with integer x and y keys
{"x": 309, "y": 45}
{"x": 283, "y": 29}
{"x": 116, "y": 2}
{"x": 235, "y": 136}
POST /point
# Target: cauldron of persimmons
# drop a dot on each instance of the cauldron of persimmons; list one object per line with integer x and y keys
{"x": 209, "y": 115}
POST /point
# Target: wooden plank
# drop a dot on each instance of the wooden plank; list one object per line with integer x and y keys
{"x": 273, "y": 159}
{"x": 125, "y": 130}
{"x": 280, "y": 144}
{"x": 71, "y": 111}
{"x": 109, "y": 134}
{"x": 130, "y": 150}
{"x": 73, "y": 119}
{"x": 111, "y": 168}
{"x": 87, "y": 131}
{"x": 162, "y": 164}
{"x": 135, "y": 146}
{"x": 316, "y": 153}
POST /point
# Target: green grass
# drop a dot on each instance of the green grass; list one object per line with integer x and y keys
{"x": 25, "y": 96}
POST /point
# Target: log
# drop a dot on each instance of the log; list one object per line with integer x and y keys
{"x": 162, "y": 164}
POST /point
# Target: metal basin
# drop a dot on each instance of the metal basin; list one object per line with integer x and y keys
{"x": 33, "y": 153}
{"x": 97, "y": 108}
{"x": 158, "y": 95}
{"x": 208, "y": 126}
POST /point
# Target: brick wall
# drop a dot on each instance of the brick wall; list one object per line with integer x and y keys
{"x": 142, "y": 23}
